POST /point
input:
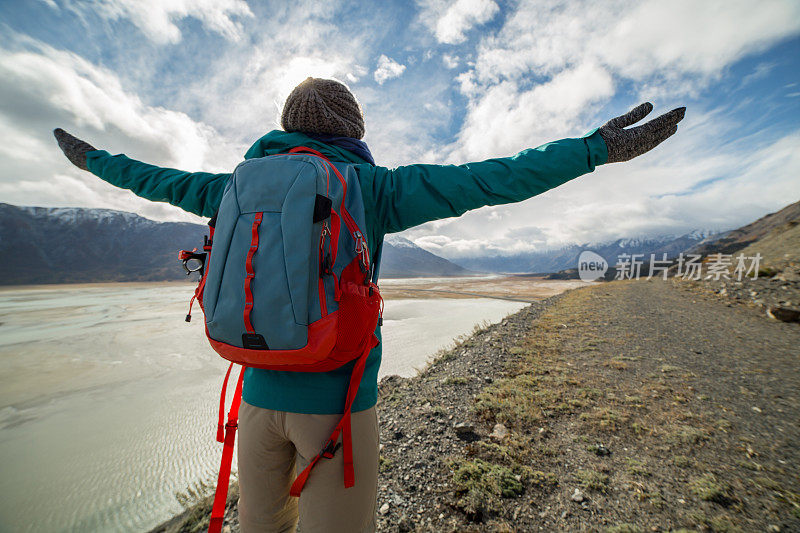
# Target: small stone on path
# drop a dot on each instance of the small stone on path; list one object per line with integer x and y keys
{"x": 499, "y": 432}
{"x": 463, "y": 427}
{"x": 784, "y": 314}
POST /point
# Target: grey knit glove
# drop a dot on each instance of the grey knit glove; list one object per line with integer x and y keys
{"x": 624, "y": 145}
{"x": 74, "y": 148}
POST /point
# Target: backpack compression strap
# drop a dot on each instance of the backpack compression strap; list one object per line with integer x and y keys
{"x": 221, "y": 495}
{"x": 343, "y": 427}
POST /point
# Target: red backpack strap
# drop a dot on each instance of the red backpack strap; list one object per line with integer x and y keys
{"x": 343, "y": 427}
{"x": 307, "y": 150}
{"x": 250, "y": 274}
{"x": 221, "y": 495}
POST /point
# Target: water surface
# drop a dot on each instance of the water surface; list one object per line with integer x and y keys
{"x": 108, "y": 398}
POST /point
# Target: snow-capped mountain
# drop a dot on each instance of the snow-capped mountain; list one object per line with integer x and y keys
{"x": 70, "y": 245}
{"x": 396, "y": 241}
{"x": 67, "y": 244}
{"x": 73, "y": 215}
{"x": 567, "y": 257}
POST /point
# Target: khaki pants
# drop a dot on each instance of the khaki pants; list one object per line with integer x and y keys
{"x": 272, "y": 444}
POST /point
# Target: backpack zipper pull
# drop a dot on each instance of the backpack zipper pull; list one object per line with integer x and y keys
{"x": 359, "y": 239}
{"x": 324, "y": 258}
{"x": 362, "y": 250}
{"x": 323, "y": 234}
{"x": 191, "y": 302}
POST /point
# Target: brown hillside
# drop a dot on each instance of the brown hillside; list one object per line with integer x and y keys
{"x": 779, "y": 248}
{"x": 738, "y": 239}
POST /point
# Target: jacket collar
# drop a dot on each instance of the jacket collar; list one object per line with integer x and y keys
{"x": 277, "y": 142}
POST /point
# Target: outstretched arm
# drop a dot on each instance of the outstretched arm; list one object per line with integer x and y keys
{"x": 410, "y": 195}
{"x": 195, "y": 192}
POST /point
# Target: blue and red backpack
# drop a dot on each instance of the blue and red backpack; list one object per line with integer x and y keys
{"x": 287, "y": 284}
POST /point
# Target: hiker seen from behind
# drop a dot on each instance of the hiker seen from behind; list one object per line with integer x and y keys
{"x": 289, "y": 285}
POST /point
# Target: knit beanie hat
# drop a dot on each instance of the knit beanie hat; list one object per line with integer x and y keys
{"x": 323, "y": 106}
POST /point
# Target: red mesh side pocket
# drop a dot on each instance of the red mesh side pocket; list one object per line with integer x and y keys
{"x": 359, "y": 309}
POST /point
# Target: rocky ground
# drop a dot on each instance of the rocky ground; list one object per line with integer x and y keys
{"x": 775, "y": 293}
{"x": 619, "y": 407}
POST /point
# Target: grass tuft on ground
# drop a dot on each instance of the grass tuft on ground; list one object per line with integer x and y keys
{"x": 603, "y": 404}
{"x": 480, "y": 486}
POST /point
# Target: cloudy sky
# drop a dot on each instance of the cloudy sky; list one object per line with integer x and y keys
{"x": 191, "y": 84}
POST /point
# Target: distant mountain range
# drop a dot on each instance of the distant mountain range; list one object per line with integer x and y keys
{"x": 69, "y": 245}
{"x": 72, "y": 245}
{"x": 402, "y": 258}
{"x": 776, "y": 237}
{"x": 567, "y": 257}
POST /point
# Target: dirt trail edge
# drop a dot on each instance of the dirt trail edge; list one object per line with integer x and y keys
{"x": 619, "y": 407}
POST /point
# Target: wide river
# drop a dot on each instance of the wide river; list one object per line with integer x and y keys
{"x": 108, "y": 398}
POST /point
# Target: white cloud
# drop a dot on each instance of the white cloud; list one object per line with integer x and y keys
{"x": 157, "y": 19}
{"x": 387, "y": 69}
{"x": 242, "y": 100}
{"x": 635, "y": 40}
{"x": 695, "y": 37}
{"x": 504, "y": 119}
{"x": 450, "y": 61}
{"x": 356, "y": 73}
{"x": 450, "y": 21}
{"x": 244, "y": 96}
{"x": 249, "y": 80}
{"x": 45, "y": 88}
{"x": 547, "y": 71}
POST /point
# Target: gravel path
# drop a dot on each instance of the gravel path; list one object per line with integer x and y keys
{"x": 747, "y": 364}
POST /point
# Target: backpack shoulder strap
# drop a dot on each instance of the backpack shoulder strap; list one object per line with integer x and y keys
{"x": 307, "y": 150}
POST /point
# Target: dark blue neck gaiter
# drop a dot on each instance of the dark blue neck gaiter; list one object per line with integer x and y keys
{"x": 350, "y": 144}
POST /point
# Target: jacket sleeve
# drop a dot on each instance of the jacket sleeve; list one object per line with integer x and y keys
{"x": 410, "y": 195}
{"x": 196, "y": 192}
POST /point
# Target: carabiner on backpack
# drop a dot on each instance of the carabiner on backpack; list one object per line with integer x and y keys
{"x": 192, "y": 261}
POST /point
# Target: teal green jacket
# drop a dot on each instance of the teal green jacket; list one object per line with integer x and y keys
{"x": 394, "y": 200}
